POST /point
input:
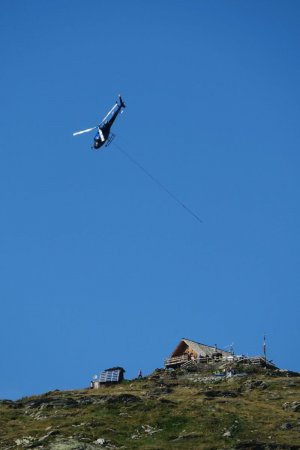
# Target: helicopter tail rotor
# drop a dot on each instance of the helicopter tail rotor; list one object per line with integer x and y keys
{"x": 122, "y": 104}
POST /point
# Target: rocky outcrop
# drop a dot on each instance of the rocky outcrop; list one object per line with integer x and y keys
{"x": 74, "y": 444}
{"x": 292, "y": 406}
{"x": 72, "y": 402}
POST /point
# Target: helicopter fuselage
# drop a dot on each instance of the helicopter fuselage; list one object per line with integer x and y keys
{"x": 103, "y": 132}
{"x": 101, "y": 137}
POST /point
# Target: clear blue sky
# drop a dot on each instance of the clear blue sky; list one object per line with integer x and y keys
{"x": 99, "y": 266}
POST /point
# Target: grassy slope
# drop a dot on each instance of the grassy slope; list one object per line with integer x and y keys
{"x": 181, "y": 413}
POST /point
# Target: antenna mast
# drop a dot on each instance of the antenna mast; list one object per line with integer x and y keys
{"x": 265, "y": 348}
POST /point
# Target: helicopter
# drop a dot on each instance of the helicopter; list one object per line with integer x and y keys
{"x": 104, "y": 136}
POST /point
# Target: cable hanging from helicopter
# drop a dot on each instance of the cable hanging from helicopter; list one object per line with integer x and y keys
{"x": 105, "y": 137}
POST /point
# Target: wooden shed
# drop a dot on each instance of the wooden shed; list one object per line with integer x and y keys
{"x": 112, "y": 375}
{"x": 188, "y": 350}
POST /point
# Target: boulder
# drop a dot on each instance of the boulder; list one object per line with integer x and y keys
{"x": 292, "y": 406}
{"x": 286, "y": 426}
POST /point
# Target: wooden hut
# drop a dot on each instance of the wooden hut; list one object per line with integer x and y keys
{"x": 188, "y": 350}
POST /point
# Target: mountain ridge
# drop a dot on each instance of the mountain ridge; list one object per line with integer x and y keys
{"x": 169, "y": 409}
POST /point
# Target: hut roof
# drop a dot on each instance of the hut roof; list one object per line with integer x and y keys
{"x": 115, "y": 368}
{"x": 112, "y": 375}
{"x": 198, "y": 348}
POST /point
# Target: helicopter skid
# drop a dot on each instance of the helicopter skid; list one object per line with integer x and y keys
{"x": 110, "y": 139}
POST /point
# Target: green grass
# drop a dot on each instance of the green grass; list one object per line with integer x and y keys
{"x": 181, "y": 414}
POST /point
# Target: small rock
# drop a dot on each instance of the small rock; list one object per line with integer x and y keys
{"x": 150, "y": 430}
{"x": 24, "y": 441}
{"x": 136, "y": 436}
{"x": 227, "y": 434}
{"x": 72, "y": 443}
{"x": 185, "y": 435}
{"x": 75, "y": 425}
{"x": 286, "y": 426}
{"x": 292, "y": 406}
{"x": 147, "y": 429}
{"x": 100, "y": 441}
{"x": 255, "y": 384}
{"x": 51, "y": 433}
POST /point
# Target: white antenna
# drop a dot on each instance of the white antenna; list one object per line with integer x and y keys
{"x": 230, "y": 347}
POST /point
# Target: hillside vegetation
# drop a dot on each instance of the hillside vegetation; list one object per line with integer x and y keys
{"x": 167, "y": 410}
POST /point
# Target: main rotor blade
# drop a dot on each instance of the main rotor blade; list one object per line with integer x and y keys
{"x": 112, "y": 109}
{"x": 84, "y": 131}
